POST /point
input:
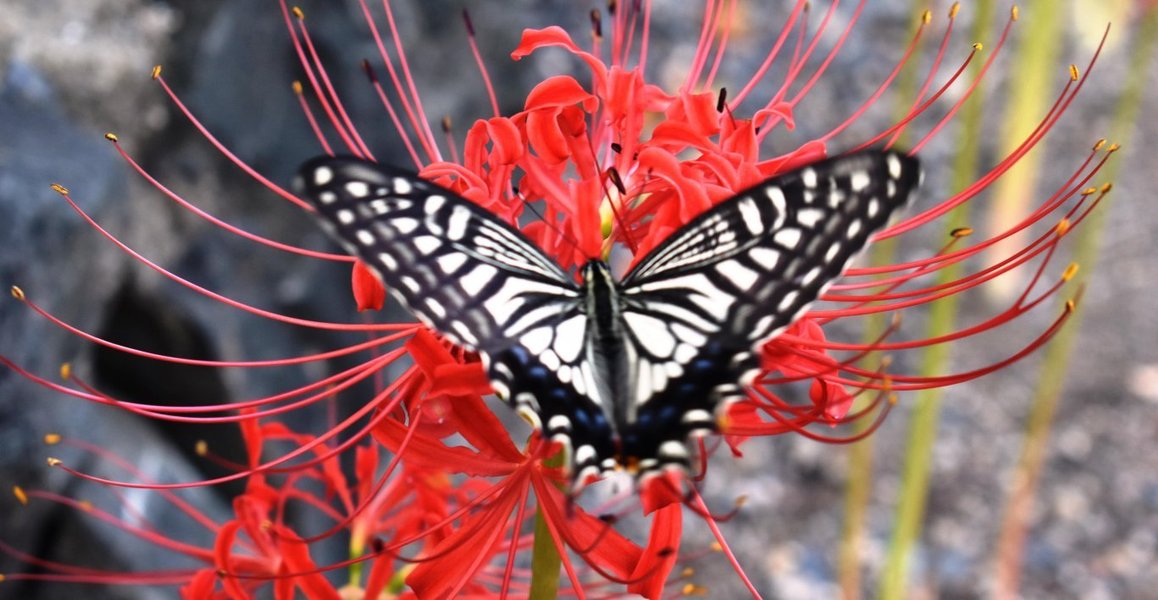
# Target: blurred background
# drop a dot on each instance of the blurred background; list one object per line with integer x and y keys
{"x": 1056, "y": 462}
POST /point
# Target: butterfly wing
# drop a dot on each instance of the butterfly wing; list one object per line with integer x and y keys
{"x": 472, "y": 278}
{"x": 700, "y": 305}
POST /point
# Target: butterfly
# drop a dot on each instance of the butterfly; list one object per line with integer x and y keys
{"x": 623, "y": 373}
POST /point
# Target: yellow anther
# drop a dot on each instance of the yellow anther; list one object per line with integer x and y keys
{"x": 1063, "y": 226}
{"x": 1074, "y": 72}
{"x": 1114, "y": 147}
{"x": 85, "y": 505}
{"x": 741, "y": 500}
{"x": 54, "y": 462}
{"x": 157, "y": 72}
{"x": 2, "y": 578}
{"x": 60, "y": 189}
{"x": 953, "y": 10}
{"x": 926, "y": 17}
{"x": 52, "y": 439}
{"x": 886, "y": 361}
{"x": 1099, "y": 144}
{"x": 893, "y": 399}
{"x": 961, "y": 232}
{"x": 20, "y": 495}
{"x": 1071, "y": 306}
{"x": 1015, "y": 13}
{"x": 297, "y": 87}
{"x": 687, "y": 572}
{"x": 266, "y": 524}
{"x": 1070, "y": 271}
{"x": 112, "y": 137}
{"x": 716, "y": 547}
{"x": 298, "y": 14}
{"x": 691, "y": 589}
{"x": 1107, "y": 187}
{"x": 201, "y": 448}
{"x": 978, "y": 46}
{"x": 17, "y": 293}
{"x": 1089, "y": 190}
{"x": 65, "y": 371}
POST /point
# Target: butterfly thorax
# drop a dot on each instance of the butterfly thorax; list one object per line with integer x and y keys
{"x": 605, "y": 343}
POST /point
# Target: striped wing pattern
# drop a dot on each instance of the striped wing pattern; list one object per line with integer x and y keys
{"x": 691, "y": 315}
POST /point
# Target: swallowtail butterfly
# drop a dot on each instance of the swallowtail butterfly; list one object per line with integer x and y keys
{"x": 621, "y": 372}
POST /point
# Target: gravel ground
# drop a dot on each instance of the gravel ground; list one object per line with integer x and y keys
{"x": 73, "y": 69}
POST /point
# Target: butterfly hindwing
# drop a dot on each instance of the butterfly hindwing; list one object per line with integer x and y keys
{"x": 700, "y": 305}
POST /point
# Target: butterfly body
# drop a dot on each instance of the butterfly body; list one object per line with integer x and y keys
{"x": 623, "y": 372}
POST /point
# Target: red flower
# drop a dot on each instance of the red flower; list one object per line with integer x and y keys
{"x": 611, "y": 159}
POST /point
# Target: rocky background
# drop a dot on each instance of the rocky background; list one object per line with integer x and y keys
{"x": 71, "y": 70}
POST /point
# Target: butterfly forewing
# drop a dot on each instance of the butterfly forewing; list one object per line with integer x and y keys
{"x": 474, "y": 279}
{"x": 698, "y": 307}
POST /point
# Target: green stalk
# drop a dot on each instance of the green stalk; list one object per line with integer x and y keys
{"x": 924, "y": 421}
{"x": 1060, "y": 350}
{"x": 858, "y": 488}
{"x": 545, "y": 558}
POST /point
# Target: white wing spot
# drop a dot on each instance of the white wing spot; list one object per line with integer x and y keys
{"x": 464, "y": 332}
{"x": 787, "y": 301}
{"x": 741, "y": 276}
{"x": 456, "y": 228}
{"x": 788, "y": 238}
{"x": 584, "y": 454}
{"x": 765, "y": 257}
{"x": 365, "y": 237}
{"x": 346, "y": 216}
{"x": 833, "y": 250}
{"x": 550, "y": 360}
{"x": 894, "y": 164}
{"x": 436, "y": 308}
{"x": 474, "y": 281}
{"x": 434, "y": 203}
{"x": 323, "y": 175}
{"x": 860, "y": 180}
{"x": 569, "y": 337}
{"x": 810, "y": 276}
{"x": 809, "y": 217}
{"x": 874, "y": 206}
{"x": 751, "y": 215}
{"x": 402, "y": 186}
{"x": 559, "y": 423}
{"x": 449, "y": 263}
{"x": 328, "y": 197}
{"x": 674, "y": 450}
{"x": 685, "y": 353}
{"x": 387, "y": 261}
{"x": 427, "y": 244}
{"x": 536, "y": 340}
{"x": 405, "y": 225}
{"x": 697, "y": 415}
{"x": 358, "y": 189}
{"x": 779, "y": 202}
{"x": 651, "y": 333}
{"x": 853, "y": 228}
{"x": 808, "y": 176}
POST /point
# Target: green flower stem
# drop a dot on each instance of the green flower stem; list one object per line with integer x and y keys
{"x": 1035, "y": 71}
{"x": 924, "y": 421}
{"x": 1058, "y": 354}
{"x": 858, "y": 488}
{"x": 545, "y": 558}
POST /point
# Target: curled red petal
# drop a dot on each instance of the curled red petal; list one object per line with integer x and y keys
{"x": 369, "y": 293}
{"x": 508, "y": 143}
{"x": 534, "y": 39}
{"x": 560, "y": 91}
{"x": 659, "y": 556}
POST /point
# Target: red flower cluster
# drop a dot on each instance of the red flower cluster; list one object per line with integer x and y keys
{"x": 609, "y": 159}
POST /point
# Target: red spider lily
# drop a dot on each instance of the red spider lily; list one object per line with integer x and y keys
{"x": 609, "y": 159}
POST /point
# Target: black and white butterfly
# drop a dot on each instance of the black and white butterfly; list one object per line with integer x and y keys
{"x": 621, "y": 372}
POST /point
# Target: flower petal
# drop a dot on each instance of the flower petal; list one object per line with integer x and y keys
{"x": 369, "y": 293}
